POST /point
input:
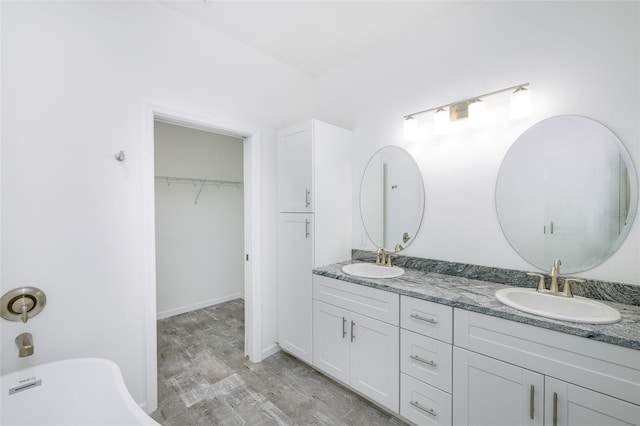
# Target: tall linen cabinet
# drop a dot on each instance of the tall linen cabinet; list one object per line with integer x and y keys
{"x": 314, "y": 222}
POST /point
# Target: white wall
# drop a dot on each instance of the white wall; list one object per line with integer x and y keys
{"x": 580, "y": 58}
{"x": 199, "y": 244}
{"x": 76, "y": 77}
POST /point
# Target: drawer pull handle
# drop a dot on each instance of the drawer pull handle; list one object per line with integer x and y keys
{"x": 424, "y": 361}
{"x": 353, "y": 336}
{"x": 555, "y": 409}
{"x": 421, "y": 318}
{"x": 429, "y": 411}
{"x": 306, "y": 228}
{"x": 307, "y": 203}
{"x": 344, "y": 327}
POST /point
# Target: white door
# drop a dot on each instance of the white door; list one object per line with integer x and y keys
{"x": 295, "y": 168}
{"x": 295, "y": 263}
{"x": 331, "y": 340}
{"x": 488, "y": 392}
{"x": 570, "y": 405}
{"x": 375, "y": 360}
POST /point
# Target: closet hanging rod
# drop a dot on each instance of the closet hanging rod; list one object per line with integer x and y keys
{"x": 195, "y": 181}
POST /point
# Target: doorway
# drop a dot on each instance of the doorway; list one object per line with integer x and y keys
{"x": 199, "y": 209}
{"x": 252, "y": 231}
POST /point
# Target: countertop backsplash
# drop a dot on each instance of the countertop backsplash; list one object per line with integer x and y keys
{"x": 593, "y": 289}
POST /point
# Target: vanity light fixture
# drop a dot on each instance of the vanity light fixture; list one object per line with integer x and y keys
{"x": 410, "y": 128}
{"x": 477, "y": 113}
{"x": 473, "y": 108}
{"x": 441, "y": 121}
{"x": 520, "y": 103}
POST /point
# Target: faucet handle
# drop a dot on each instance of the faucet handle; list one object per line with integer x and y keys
{"x": 566, "y": 288}
{"x": 541, "y": 285}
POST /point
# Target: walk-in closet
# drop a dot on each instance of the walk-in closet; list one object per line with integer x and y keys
{"x": 199, "y": 218}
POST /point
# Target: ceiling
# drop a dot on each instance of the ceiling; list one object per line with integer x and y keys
{"x": 313, "y": 36}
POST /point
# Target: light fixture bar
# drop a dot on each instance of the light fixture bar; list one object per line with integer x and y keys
{"x": 468, "y": 100}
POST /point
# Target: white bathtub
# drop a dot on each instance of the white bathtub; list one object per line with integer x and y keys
{"x": 83, "y": 391}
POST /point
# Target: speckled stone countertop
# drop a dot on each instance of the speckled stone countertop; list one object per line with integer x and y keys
{"x": 478, "y": 296}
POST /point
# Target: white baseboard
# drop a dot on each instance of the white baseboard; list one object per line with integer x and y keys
{"x": 199, "y": 305}
{"x": 267, "y": 352}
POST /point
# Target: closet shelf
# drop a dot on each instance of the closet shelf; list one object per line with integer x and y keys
{"x": 195, "y": 181}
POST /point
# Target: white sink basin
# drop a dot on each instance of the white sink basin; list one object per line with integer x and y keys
{"x": 371, "y": 270}
{"x": 573, "y": 309}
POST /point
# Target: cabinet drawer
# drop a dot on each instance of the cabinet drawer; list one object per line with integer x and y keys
{"x": 423, "y": 404}
{"x": 427, "y": 318}
{"x": 374, "y": 303}
{"x": 426, "y": 359}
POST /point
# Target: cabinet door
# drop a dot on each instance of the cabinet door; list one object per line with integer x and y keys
{"x": 570, "y": 405}
{"x": 331, "y": 340}
{"x": 375, "y": 366}
{"x": 295, "y": 168}
{"x": 295, "y": 254}
{"x": 491, "y": 392}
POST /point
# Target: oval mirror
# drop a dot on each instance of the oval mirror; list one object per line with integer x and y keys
{"x": 392, "y": 199}
{"x": 567, "y": 190}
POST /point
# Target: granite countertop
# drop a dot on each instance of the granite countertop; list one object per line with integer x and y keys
{"x": 478, "y": 296}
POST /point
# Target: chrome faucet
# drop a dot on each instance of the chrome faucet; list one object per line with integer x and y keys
{"x": 25, "y": 345}
{"x": 381, "y": 257}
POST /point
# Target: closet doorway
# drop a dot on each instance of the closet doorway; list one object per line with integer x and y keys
{"x": 199, "y": 218}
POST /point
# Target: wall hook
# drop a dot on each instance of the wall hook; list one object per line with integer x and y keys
{"x": 120, "y": 156}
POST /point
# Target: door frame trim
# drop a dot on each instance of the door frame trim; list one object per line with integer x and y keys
{"x": 252, "y": 235}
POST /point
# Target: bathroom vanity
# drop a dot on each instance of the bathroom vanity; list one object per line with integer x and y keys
{"x": 434, "y": 345}
{"x": 439, "y": 349}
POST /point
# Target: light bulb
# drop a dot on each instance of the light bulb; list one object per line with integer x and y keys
{"x": 477, "y": 113}
{"x": 410, "y": 129}
{"x": 441, "y": 121}
{"x": 521, "y": 103}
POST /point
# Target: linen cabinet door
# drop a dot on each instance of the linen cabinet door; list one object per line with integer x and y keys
{"x": 331, "y": 340}
{"x": 494, "y": 393}
{"x": 295, "y": 168}
{"x": 295, "y": 262}
{"x": 375, "y": 369}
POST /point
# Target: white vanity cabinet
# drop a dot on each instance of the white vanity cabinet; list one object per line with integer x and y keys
{"x": 492, "y": 392}
{"x": 570, "y": 405}
{"x": 425, "y": 361}
{"x": 314, "y": 223}
{"x": 508, "y": 373}
{"x": 356, "y": 338}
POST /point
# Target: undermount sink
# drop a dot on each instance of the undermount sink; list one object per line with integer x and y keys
{"x": 573, "y": 309}
{"x": 371, "y": 270}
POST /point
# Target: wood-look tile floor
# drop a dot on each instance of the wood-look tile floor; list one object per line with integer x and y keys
{"x": 204, "y": 379}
